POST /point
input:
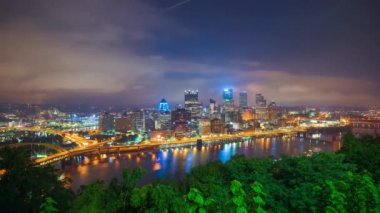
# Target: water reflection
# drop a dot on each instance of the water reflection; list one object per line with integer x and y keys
{"x": 178, "y": 161}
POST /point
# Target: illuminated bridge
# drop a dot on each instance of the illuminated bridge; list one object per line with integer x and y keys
{"x": 103, "y": 147}
{"x": 92, "y": 147}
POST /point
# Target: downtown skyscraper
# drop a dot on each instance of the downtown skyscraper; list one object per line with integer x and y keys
{"x": 243, "y": 100}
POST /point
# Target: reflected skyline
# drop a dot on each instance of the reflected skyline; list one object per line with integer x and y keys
{"x": 176, "y": 162}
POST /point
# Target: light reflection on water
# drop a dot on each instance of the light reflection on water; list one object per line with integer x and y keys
{"x": 175, "y": 162}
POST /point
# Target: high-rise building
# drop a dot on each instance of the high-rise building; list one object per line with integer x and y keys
{"x": 106, "y": 122}
{"x": 204, "y": 126}
{"x": 230, "y": 116}
{"x": 261, "y": 108}
{"x": 191, "y": 96}
{"x": 212, "y": 107}
{"x": 260, "y": 100}
{"x": 149, "y": 120}
{"x": 228, "y": 101}
{"x": 181, "y": 119}
{"x": 124, "y": 124}
{"x": 192, "y": 103}
{"x": 228, "y": 96}
{"x": 163, "y": 121}
{"x": 243, "y": 100}
{"x": 138, "y": 117}
{"x": 272, "y": 112}
{"x": 247, "y": 114}
{"x": 217, "y": 126}
{"x": 163, "y": 106}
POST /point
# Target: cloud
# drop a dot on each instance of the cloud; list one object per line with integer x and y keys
{"x": 102, "y": 52}
{"x": 291, "y": 88}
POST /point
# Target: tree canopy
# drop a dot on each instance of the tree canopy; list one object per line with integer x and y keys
{"x": 347, "y": 181}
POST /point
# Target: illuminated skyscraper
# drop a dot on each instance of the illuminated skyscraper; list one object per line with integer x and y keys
{"x": 163, "y": 121}
{"x": 228, "y": 96}
{"x": 243, "y": 100}
{"x": 191, "y": 96}
{"x": 163, "y": 106}
{"x": 192, "y": 103}
{"x": 228, "y": 101}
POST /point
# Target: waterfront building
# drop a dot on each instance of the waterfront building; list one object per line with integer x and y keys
{"x": 217, "y": 126}
{"x": 106, "y": 122}
{"x": 204, "y": 126}
{"x": 181, "y": 120}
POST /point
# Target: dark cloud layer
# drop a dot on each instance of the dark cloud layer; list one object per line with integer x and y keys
{"x": 135, "y": 52}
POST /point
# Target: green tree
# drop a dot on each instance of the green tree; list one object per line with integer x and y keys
{"x": 363, "y": 194}
{"x": 196, "y": 201}
{"x": 130, "y": 177}
{"x": 337, "y": 198}
{"x": 238, "y": 196}
{"x": 157, "y": 198}
{"x": 258, "y": 197}
{"x": 91, "y": 199}
{"x": 48, "y": 206}
{"x": 211, "y": 178}
{"x": 24, "y": 187}
{"x": 364, "y": 152}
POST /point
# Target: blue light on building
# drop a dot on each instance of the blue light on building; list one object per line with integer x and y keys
{"x": 227, "y": 95}
{"x": 163, "y": 106}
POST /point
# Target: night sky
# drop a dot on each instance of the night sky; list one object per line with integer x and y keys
{"x": 125, "y": 52}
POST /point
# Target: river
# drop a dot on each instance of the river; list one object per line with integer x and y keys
{"x": 176, "y": 162}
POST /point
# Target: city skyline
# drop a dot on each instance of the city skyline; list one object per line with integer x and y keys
{"x": 136, "y": 52}
{"x": 189, "y": 106}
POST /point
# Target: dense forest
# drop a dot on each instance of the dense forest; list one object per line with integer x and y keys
{"x": 347, "y": 181}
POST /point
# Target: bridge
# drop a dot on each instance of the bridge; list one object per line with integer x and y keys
{"x": 89, "y": 146}
{"x": 103, "y": 146}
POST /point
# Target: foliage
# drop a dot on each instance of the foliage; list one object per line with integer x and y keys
{"x": 364, "y": 152}
{"x": 344, "y": 182}
{"x": 238, "y": 196}
{"x": 197, "y": 202}
{"x": 24, "y": 187}
{"x": 48, "y": 206}
{"x": 258, "y": 197}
